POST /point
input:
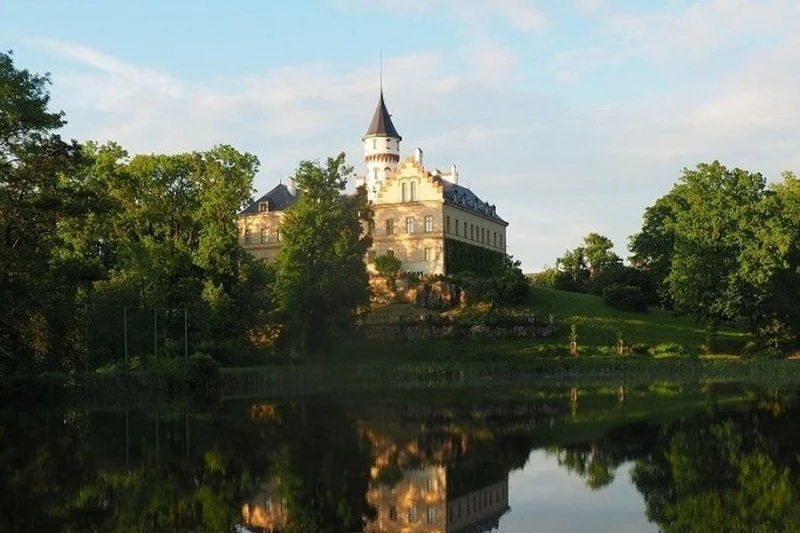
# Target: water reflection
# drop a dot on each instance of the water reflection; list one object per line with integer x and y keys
{"x": 663, "y": 457}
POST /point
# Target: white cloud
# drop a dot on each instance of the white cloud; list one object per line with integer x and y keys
{"x": 556, "y": 170}
{"x": 589, "y": 6}
{"x": 680, "y": 32}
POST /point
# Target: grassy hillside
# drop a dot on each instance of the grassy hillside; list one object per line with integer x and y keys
{"x": 598, "y": 324}
{"x": 597, "y": 327}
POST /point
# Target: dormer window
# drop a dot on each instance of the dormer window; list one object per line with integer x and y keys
{"x": 263, "y": 207}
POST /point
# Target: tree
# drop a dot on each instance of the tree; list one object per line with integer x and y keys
{"x": 388, "y": 266}
{"x": 321, "y": 276}
{"x": 37, "y": 193}
{"x": 652, "y": 248}
{"x": 575, "y": 266}
{"x": 591, "y": 267}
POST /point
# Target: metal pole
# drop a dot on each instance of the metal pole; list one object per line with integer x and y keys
{"x": 185, "y": 333}
{"x": 127, "y": 440}
{"x": 125, "y": 329}
{"x": 86, "y": 321}
{"x": 155, "y": 332}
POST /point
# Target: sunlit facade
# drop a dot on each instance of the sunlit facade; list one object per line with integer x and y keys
{"x": 418, "y": 211}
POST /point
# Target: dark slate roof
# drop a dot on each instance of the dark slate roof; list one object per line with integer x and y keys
{"x": 278, "y": 200}
{"x": 464, "y": 197}
{"x": 381, "y": 125}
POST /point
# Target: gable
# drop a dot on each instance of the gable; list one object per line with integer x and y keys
{"x": 411, "y": 175}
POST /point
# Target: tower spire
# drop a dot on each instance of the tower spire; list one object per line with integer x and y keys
{"x": 381, "y": 74}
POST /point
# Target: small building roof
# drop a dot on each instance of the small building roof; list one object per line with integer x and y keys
{"x": 381, "y": 125}
{"x": 278, "y": 199}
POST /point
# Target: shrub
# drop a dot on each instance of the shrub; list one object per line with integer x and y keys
{"x": 673, "y": 349}
{"x": 759, "y": 350}
{"x": 388, "y": 266}
{"x": 625, "y": 298}
{"x": 640, "y": 348}
{"x": 202, "y": 375}
{"x": 511, "y": 284}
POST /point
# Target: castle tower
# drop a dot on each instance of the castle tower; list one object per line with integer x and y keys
{"x": 381, "y": 148}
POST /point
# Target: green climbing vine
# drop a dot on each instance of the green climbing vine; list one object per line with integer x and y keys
{"x": 463, "y": 257}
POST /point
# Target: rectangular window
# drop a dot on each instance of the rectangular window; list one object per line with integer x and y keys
{"x": 495, "y": 238}
{"x": 247, "y": 236}
{"x": 428, "y": 223}
{"x": 465, "y": 230}
{"x": 472, "y": 231}
{"x": 458, "y": 228}
{"x": 390, "y": 252}
{"x": 409, "y": 224}
{"x": 482, "y": 235}
{"x": 278, "y": 234}
{"x": 263, "y": 236}
{"x": 389, "y": 226}
{"x": 263, "y": 207}
{"x": 431, "y": 514}
{"x": 429, "y": 257}
{"x": 501, "y": 241}
{"x": 404, "y": 192}
{"x": 371, "y": 256}
{"x": 412, "y": 513}
{"x": 448, "y": 224}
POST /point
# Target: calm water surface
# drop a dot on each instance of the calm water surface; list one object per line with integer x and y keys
{"x": 663, "y": 457}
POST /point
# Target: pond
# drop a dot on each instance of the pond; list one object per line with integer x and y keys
{"x": 517, "y": 458}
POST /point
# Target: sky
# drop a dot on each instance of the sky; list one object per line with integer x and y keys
{"x": 571, "y": 116}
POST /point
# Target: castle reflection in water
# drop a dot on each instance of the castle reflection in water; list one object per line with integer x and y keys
{"x": 429, "y": 471}
{"x": 419, "y": 502}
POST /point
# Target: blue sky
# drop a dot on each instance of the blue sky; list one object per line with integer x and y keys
{"x": 571, "y": 116}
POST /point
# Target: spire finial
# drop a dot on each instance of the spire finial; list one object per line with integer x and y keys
{"x": 381, "y": 73}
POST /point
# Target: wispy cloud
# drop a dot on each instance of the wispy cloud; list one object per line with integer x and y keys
{"x": 555, "y": 168}
{"x": 679, "y": 33}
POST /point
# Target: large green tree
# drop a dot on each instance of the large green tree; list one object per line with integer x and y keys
{"x": 721, "y": 246}
{"x": 321, "y": 276}
{"x": 170, "y": 240}
{"x": 37, "y": 193}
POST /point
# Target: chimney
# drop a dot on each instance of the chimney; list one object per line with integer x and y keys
{"x": 454, "y": 172}
{"x": 291, "y": 185}
{"x": 418, "y": 155}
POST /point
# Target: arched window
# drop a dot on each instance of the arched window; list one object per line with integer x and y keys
{"x": 404, "y": 191}
{"x": 375, "y": 173}
{"x": 413, "y": 191}
{"x": 386, "y": 172}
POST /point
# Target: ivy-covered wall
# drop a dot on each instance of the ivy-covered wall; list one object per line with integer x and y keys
{"x": 461, "y": 257}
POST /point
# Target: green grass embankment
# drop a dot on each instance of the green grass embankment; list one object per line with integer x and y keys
{"x": 599, "y": 327}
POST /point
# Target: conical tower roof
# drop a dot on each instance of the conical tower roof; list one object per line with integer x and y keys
{"x": 381, "y": 125}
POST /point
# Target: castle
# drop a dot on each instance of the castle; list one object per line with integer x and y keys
{"x": 425, "y": 218}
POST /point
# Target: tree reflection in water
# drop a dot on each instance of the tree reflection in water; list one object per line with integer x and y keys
{"x": 329, "y": 466}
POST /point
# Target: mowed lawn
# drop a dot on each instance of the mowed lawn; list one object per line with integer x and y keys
{"x": 597, "y": 324}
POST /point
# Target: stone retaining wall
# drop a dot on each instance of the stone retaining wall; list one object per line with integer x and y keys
{"x": 452, "y": 330}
